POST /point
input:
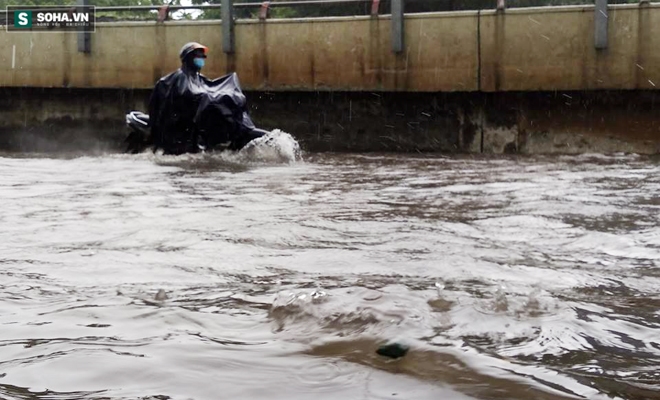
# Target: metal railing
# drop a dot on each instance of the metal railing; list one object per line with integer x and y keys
{"x": 396, "y": 8}
{"x": 372, "y": 7}
{"x": 264, "y": 7}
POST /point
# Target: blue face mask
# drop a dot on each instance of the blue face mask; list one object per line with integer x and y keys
{"x": 199, "y": 62}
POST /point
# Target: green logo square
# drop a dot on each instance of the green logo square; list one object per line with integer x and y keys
{"x": 22, "y": 19}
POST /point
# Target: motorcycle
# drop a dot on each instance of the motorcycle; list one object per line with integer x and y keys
{"x": 139, "y": 138}
{"x": 191, "y": 113}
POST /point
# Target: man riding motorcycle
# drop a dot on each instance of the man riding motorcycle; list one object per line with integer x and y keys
{"x": 189, "y": 112}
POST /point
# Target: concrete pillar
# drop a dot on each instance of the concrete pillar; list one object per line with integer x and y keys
{"x": 601, "y": 22}
{"x": 84, "y": 38}
{"x": 397, "y": 25}
{"x": 228, "y": 26}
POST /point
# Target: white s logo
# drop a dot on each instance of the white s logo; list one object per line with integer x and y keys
{"x": 22, "y": 19}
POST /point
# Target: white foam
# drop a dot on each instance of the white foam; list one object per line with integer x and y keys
{"x": 274, "y": 147}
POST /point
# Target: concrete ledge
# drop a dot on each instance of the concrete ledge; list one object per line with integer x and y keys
{"x": 518, "y": 123}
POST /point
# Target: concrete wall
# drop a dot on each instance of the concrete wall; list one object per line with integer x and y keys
{"x": 532, "y": 49}
{"x": 521, "y": 81}
{"x": 553, "y": 49}
{"x": 89, "y": 120}
{"x": 350, "y": 53}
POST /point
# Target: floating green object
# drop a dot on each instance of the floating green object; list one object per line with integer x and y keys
{"x": 393, "y": 350}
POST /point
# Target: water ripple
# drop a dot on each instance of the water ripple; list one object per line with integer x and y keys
{"x": 161, "y": 277}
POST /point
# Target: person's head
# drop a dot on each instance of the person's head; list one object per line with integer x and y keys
{"x": 193, "y": 55}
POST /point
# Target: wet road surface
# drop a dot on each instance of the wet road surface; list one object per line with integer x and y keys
{"x": 207, "y": 277}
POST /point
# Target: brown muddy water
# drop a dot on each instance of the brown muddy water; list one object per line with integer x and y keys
{"x": 203, "y": 277}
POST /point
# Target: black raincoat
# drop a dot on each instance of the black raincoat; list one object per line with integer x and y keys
{"x": 188, "y": 111}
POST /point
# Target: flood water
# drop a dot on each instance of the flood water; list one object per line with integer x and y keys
{"x": 203, "y": 277}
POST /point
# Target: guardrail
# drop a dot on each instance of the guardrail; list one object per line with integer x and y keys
{"x": 228, "y": 7}
{"x": 165, "y": 10}
{"x": 266, "y": 5}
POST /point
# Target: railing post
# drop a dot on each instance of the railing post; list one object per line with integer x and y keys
{"x": 501, "y": 5}
{"x": 375, "y": 4}
{"x": 227, "y": 26}
{"x": 600, "y": 23}
{"x": 163, "y": 13}
{"x": 84, "y": 38}
{"x": 263, "y": 11}
{"x": 397, "y": 26}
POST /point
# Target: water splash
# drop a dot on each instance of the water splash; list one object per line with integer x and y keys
{"x": 275, "y": 147}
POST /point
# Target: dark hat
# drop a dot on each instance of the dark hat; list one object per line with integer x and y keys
{"x": 190, "y": 47}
